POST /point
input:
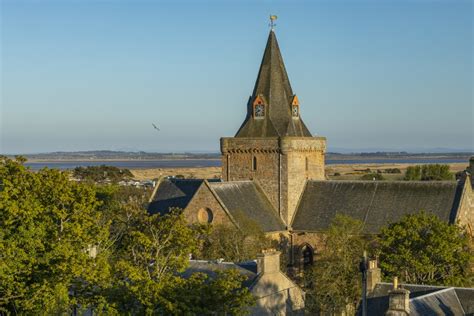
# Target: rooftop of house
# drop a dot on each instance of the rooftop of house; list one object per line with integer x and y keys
{"x": 375, "y": 203}
{"x": 425, "y": 300}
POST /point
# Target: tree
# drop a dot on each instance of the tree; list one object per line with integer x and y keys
{"x": 102, "y": 173}
{"x": 234, "y": 244}
{"x": 431, "y": 172}
{"x": 413, "y": 173}
{"x": 202, "y": 295}
{"x": 435, "y": 172}
{"x": 66, "y": 247}
{"x": 155, "y": 250}
{"x": 372, "y": 176}
{"x": 423, "y": 249}
{"x": 333, "y": 282}
{"x": 49, "y": 229}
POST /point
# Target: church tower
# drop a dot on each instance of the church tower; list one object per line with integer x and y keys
{"x": 273, "y": 147}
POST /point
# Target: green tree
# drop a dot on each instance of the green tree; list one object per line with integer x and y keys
{"x": 234, "y": 244}
{"x": 431, "y": 172}
{"x": 102, "y": 173}
{"x": 423, "y": 249}
{"x": 333, "y": 282}
{"x": 67, "y": 246}
{"x": 435, "y": 172}
{"x": 49, "y": 229}
{"x": 155, "y": 250}
{"x": 201, "y": 295}
{"x": 413, "y": 173}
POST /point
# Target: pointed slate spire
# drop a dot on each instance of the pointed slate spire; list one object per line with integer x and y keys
{"x": 273, "y": 87}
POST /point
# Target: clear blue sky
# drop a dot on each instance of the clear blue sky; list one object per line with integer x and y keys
{"x": 87, "y": 75}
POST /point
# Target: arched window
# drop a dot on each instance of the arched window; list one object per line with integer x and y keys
{"x": 205, "y": 215}
{"x": 307, "y": 254}
{"x": 254, "y": 163}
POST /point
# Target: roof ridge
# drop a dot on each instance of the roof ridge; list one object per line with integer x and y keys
{"x": 433, "y": 293}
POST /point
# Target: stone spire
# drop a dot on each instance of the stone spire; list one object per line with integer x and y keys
{"x": 273, "y": 91}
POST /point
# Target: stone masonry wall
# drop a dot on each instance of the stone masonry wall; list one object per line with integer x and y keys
{"x": 465, "y": 215}
{"x": 282, "y": 166}
{"x": 238, "y": 163}
{"x": 202, "y": 199}
{"x": 303, "y": 160}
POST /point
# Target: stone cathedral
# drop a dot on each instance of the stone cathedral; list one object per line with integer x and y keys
{"x": 273, "y": 174}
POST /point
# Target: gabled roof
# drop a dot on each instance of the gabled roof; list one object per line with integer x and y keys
{"x": 374, "y": 203}
{"x": 173, "y": 193}
{"x": 274, "y": 86}
{"x": 425, "y": 300}
{"x": 245, "y": 201}
{"x": 247, "y": 269}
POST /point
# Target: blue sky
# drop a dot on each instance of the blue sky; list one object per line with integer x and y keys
{"x": 87, "y": 75}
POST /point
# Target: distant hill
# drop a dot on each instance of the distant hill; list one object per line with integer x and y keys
{"x": 104, "y": 155}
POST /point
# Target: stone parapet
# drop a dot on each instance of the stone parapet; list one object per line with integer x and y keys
{"x": 249, "y": 145}
{"x": 302, "y": 144}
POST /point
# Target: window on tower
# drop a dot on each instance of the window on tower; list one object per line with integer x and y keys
{"x": 295, "y": 111}
{"x": 259, "y": 107}
{"x": 254, "y": 163}
{"x": 259, "y": 110}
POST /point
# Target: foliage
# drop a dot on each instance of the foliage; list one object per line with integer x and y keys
{"x": 431, "y": 172}
{"x": 48, "y": 224}
{"x": 200, "y": 295}
{"x": 425, "y": 250}
{"x": 67, "y": 246}
{"x": 392, "y": 170}
{"x": 235, "y": 243}
{"x": 102, "y": 173}
{"x": 372, "y": 176}
{"x": 334, "y": 282}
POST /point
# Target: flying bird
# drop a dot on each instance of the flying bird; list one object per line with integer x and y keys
{"x": 155, "y": 127}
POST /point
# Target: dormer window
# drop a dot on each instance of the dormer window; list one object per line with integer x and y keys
{"x": 259, "y": 107}
{"x": 295, "y": 107}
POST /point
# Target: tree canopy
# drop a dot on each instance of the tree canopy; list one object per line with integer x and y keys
{"x": 102, "y": 173}
{"x": 423, "y": 249}
{"x": 48, "y": 226}
{"x": 67, "y": 246}
{"x": 234, "y": 243}
{"x": 333, "y": 282}
{"x": 431, "y": 172}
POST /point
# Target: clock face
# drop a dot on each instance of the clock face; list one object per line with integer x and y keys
{"x": 259, "y": 110}
{"x": 295, "y": 111}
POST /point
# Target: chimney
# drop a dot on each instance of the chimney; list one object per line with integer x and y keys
{"x": 374, "y": 275}
{"x": 398, "y": 301}
{"x": 268, "y": 261}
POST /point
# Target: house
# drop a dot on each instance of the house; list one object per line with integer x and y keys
{"x": 275, "y": 293}
{"x": 415, "y": 299}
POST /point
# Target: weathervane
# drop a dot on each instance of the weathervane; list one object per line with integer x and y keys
{"x": 272, "y": 21}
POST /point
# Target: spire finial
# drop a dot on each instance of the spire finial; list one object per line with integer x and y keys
{"x": 272, "y": 22}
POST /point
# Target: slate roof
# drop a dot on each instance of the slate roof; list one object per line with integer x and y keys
{"x": 173, "y": 193}
{"x": 273, "y": 84}
{"x": 211, "y": 267}
{"x": 244, "y": 200}
{"x": 425, "y": 300}
{"x": 374, "y": 203}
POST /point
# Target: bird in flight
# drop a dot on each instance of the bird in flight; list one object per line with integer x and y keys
{"x": 155, "y": 127}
